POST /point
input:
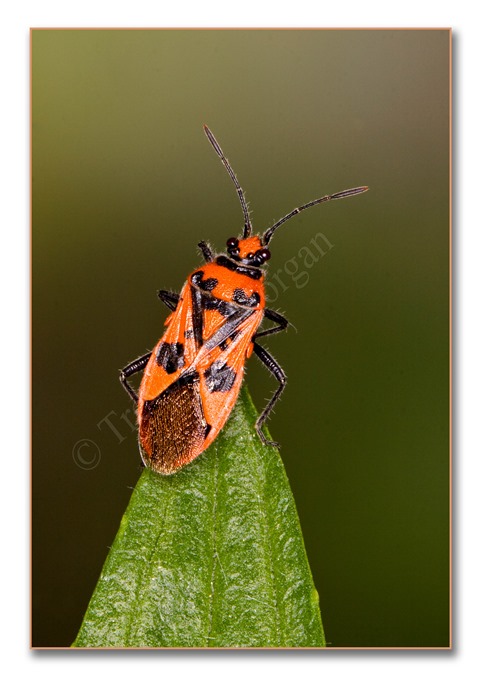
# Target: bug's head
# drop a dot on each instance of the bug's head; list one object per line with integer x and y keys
{"x": 248, "y": 251}
{"x": 252, "y": 250}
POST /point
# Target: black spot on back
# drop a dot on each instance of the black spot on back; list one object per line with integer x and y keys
{"x": 170, "y": 356}
{"x": 219, "y": 377}
{"x": 219, "y": 305}
{"x": 207, "y": 284}
{"x": 241, "y": 298}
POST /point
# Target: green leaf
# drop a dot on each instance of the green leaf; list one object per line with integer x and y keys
{"x": 211, "y": 556}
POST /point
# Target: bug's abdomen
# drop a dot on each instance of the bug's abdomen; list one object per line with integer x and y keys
{"x": 172, "y": 426}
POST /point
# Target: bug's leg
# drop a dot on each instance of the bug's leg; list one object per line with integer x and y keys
{"x": 276, "y": 370}
{"x": 134, "y": 367}
{"x": 169, "y": 299}
{"x": 206, "y": 251}
{"x": 280, "y": 320}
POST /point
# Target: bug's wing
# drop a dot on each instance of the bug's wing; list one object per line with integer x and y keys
{"x": 221, "y": 369}
{"x": 174, "y": 352}
{"x": 169, "y": 412}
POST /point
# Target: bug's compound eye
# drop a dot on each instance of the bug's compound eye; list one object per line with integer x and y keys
{"x": 263, "y": 255}
{"x": 232, "y": 242}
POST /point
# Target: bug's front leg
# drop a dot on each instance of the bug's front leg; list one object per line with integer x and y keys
{"x": 278, "y": 373}
{"x": 206, "y": 251}
{"x": 134, "y": 367}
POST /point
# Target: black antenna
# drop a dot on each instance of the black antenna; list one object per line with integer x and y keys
{"x": 333, "y": 197}
{"x": 240, "y": 193}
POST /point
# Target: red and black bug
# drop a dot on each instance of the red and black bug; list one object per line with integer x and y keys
{"x": 193, "y": 375}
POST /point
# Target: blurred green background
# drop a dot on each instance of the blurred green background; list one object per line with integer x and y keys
{"x": 124, "y": 186}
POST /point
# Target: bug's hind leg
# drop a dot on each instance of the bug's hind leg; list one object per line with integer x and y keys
{"x": 134, "y": 367}
{"x": 277, "y": 371}
{"x": 169, "y": 299}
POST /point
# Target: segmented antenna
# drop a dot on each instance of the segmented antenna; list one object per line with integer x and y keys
{"x": 240, "y": 193}
{"x": 333, "y": 197}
